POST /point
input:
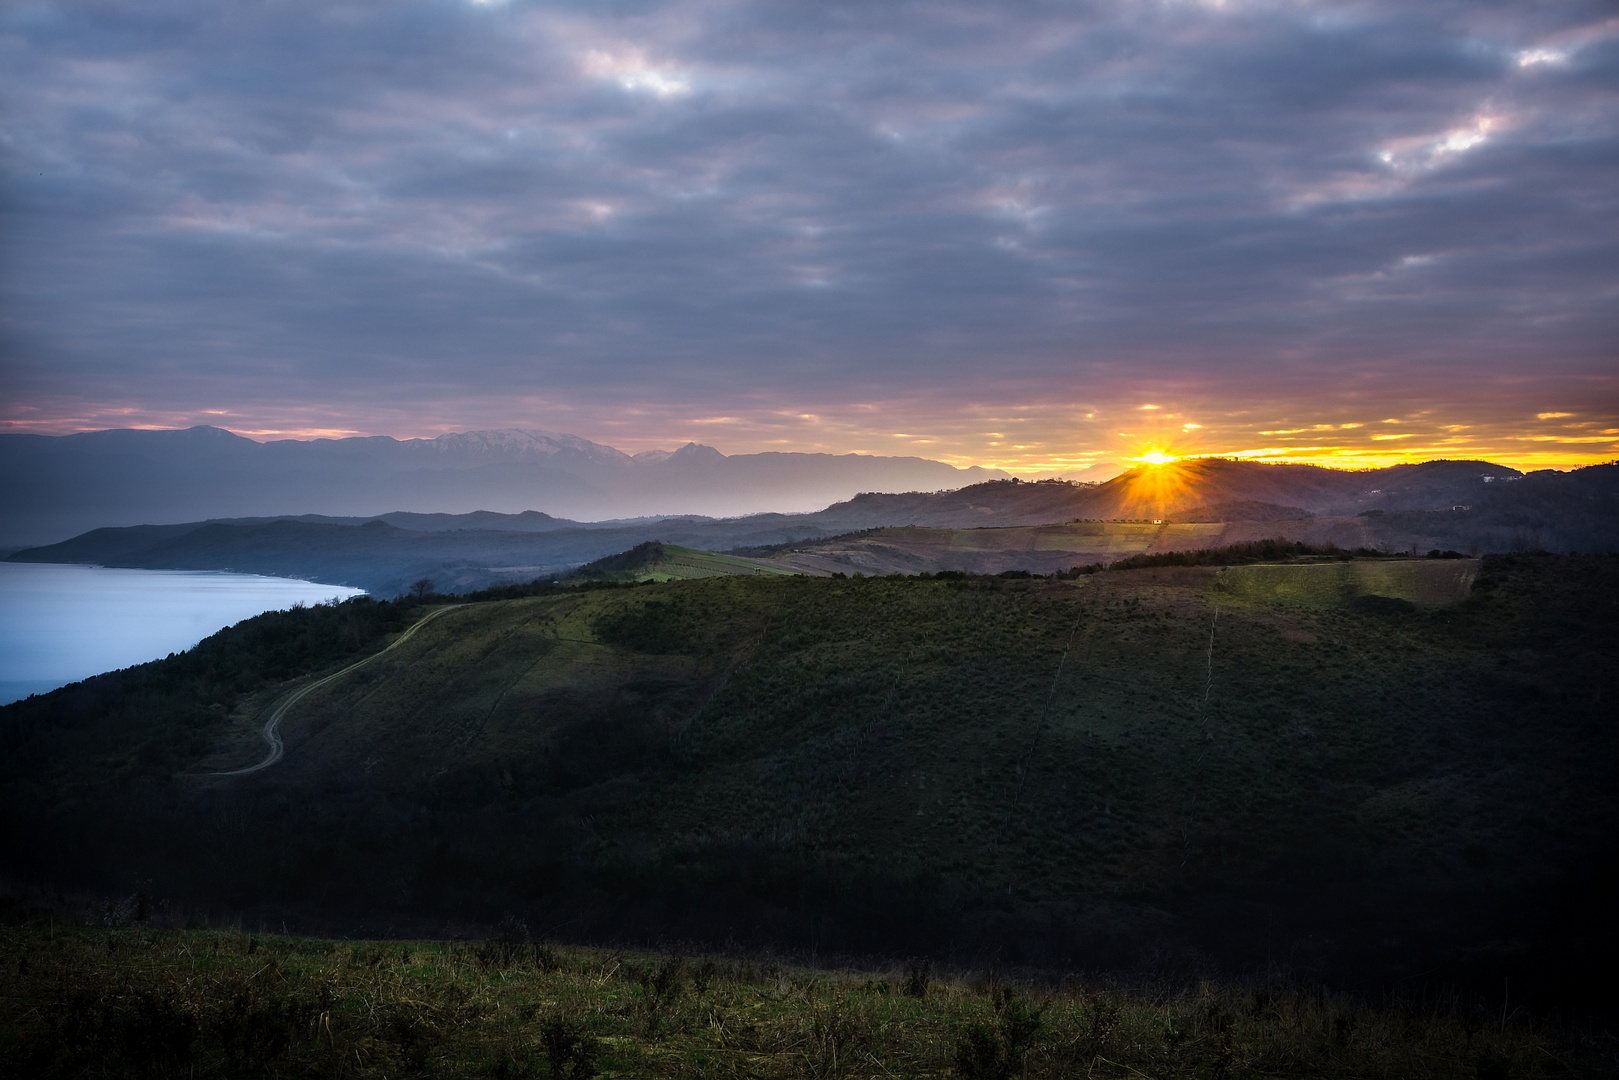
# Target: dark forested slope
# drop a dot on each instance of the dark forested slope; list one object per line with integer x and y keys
{"x": 1382, "y": 770}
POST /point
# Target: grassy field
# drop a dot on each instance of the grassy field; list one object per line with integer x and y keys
{"x": 1046, "y": 549}
{"x": 1426, "y": 582}
{"x": 1186, "y": 770}
{"x": 654, "y": 561}
{"x": 1038, "y": 548}
{"x": 135, "y": 1002}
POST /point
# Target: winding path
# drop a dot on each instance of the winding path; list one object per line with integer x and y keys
{"x": 272, "y": 727}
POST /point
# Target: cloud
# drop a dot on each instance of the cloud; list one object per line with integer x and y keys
{"x": 632, "y": 72}
{"x": 700, "y": 208}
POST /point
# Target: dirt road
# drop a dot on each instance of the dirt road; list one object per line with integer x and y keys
{"x": 272, "y": 727}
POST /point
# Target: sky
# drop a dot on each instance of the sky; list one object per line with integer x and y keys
{"x": 1035, "y": 236}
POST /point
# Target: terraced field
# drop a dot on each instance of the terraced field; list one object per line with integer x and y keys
{"x": 1428, "y": 582}
{"x": 1045, "y": 549}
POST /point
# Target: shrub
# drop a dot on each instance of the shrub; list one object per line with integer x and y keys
{"x": 997, "y": 1051}
{"x": 254, "y": 1028}
{"x": 151, "y": 1031}
{"x": 1279, "y": 549}
{"x": 546, "y": 959}
{"x": 657, "y": 626}
{"x": 838, "y": 1033}
{"x": 571, "y": 1052}
{"x": 660, "y": 986}
{"x": 916, "y": 980}
{"x": 1371, "y": 604}
{"x": 505, "y": 945}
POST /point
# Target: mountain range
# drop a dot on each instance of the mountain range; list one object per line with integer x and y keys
{"x": 1217, "y": 487}
{"x": 1469, "y": 506}
{"x": 54, "y": 487}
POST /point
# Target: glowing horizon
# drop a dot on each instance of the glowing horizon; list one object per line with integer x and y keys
{"x": 1549, "y": 438}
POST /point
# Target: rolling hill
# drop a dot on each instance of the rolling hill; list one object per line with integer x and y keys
{"x": 1046, "y": 549}
{"x": 1156, "y": 492}
{"x": 654, "y": 561}
{"x": 989, "y": 527}
{"x": 1362, "y": 771}
{"x": 384, "y": 558}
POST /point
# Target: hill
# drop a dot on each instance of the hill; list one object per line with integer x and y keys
{"x": 384, "y": 558}
{"x": 1579, "y": 501}
{"x": 1158, "y": 491}
{"x": 1365, "y": 772}
{"x": 1243, "y": 510}
{"x": 1039, "y": 549}
{"x": 1050, "y": 525}
{"x": 1198, "y": 503}
{"x": 654, "y": 561}
{"x": 1046, "y": 549}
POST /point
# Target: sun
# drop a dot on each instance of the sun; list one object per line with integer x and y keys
{"x": 1157, "y": 485}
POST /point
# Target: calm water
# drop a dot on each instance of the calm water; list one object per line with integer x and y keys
{"x": 59, "y": 624}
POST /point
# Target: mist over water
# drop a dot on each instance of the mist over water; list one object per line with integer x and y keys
{"x": 59, "y": 624}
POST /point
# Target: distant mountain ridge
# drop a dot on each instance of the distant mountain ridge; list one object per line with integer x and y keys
{"x": 1392, "y": 509}
{"x": 384, "y": 559}
{"x": 1155, "y": 491}
{"x": 54, "y": 487}
{"x": 1466, "y": 506}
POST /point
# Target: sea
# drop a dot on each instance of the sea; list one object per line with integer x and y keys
{"x": 60, "y": 624}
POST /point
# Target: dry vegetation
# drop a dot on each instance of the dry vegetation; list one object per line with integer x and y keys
{"x": 142, "y": 1003}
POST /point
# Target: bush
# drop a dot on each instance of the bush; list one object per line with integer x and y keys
{"x": 1252, "y": 551}
{"x": 980, "y": 1055}
{"x": 654, "y": 627}
{"x": 150, "y": 1031}
{"x": 660, "y": 986}
{"x": 506, "y": 945}
{"x": 254, "y": 1028}
{"x": 997, "y": 1051}
{"x": 839, "y": 1033}
{"x": 916, "y": 980}
{"x": 1381, "y": 605}
{"x": 571, "y": 1052}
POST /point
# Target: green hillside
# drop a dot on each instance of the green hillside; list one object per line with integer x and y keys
{"x": 1038, "y": 548}
{"x": 1195, "y": 768}
{"x": 656, "y": 561}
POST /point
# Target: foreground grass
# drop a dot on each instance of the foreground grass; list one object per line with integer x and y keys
{"x": 131, "y": 1002}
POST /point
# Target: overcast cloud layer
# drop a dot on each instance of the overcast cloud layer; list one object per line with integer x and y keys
{"x": 979, "y": 232}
